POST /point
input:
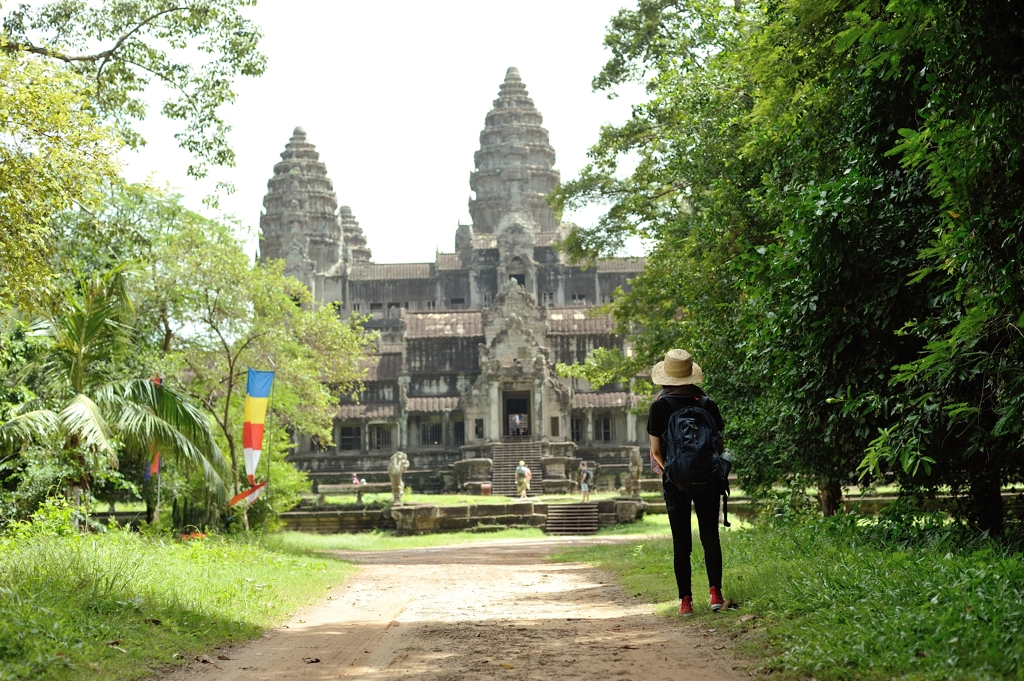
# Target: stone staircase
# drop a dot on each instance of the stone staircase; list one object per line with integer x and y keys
{"x": 572, "y": 519}
{"x": 506, "y": 456}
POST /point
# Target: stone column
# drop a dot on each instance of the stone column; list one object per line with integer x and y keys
{"x": 494, "y": 427}
{"x": 588, "y": 426}
{"x": 560, "y": 293}
{"x": 538, "y": 416}
{"x": 630, "y": 426}
{"x": 364, "y": 435}
{"x": 474, "y": 297}
{"x": 597, "y": 287}
{"x": 446, "y": 438}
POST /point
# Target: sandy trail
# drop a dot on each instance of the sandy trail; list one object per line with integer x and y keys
{"x": 476, "y": 611}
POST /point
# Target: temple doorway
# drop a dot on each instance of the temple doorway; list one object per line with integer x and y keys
{"x": 517, "y": 414}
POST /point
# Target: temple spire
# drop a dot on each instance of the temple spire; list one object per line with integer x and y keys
{"x": 355, "y": 241}
{"x": 299, "y": 224}
{"x": 515, "y": 163}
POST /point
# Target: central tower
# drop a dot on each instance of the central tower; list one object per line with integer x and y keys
{"x": 515, "y": 163}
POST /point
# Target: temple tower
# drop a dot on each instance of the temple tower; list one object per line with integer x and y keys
{"x": 514, "y": 166}
{"x": 356, "y": 250}
{"x": 299, "y": 224}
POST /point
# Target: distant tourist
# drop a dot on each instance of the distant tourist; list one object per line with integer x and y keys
{"x": 355, "y": 479}
{"x": 523, "y": 477}
{"x": 678, "y": 377}
{"x": 586, "y": 479}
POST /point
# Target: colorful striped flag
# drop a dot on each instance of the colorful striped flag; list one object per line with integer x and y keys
{"x": 248, "y": 496}
{"x": 154, "y": 466}
{"x": 257, "y": 397}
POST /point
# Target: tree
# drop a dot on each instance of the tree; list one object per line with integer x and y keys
{"x": 94, "y": 413}
{"x": 121, "y": 46}
{"x": 55, "y": 152}
{"x": 833, "y": 291}
{"x": 212, "y": 313}
{"x": 72, "y": 79}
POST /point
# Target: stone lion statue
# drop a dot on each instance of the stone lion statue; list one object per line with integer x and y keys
{"x": 398, "y": 464}
{"x": 636, "y": 467}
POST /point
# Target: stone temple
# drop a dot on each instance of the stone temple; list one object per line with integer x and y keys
{"x": 464, "y": 380}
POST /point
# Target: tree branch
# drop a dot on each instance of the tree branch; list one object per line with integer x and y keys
{"x": 105, "y": 55}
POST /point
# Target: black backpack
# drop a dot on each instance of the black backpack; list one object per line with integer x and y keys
{"x": 692, "y": 459}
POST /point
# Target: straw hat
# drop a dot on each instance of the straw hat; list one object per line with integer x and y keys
{"x": 677, "y": 369}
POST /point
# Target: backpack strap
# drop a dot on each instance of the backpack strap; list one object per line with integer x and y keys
{"x": 703, "y": 402}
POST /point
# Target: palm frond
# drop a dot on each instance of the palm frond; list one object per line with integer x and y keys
{"x": 83, "y": 418}
{"x": 152, "y": 415}
{"x": 30, "y": 426}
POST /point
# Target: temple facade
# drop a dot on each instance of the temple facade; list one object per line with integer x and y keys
{"x": 464, "y": 381}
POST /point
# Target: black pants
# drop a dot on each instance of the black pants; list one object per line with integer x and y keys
{"x": 678, "y": 503}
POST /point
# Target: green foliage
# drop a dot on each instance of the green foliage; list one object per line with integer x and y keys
{"x": 92, "y": 412}
{"x": 214, "y": 314}
{"x": 117, "y": 605}
{"x": 832, "y": 197}
{"x": 194, "y": 50}
{"x": 852, "y": 598}
{"x": 55, "y": 152}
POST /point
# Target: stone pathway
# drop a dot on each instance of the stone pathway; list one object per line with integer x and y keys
{"x": 494, "y": 610}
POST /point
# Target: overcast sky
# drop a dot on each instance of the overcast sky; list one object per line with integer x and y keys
{"x": 393, "y": 95}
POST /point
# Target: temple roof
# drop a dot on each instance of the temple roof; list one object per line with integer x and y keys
{"x": 610, "y": 400}
{"x": 391, "y": 271}
{"x": 632, "y": 265}
{"x": 432, "y": 405}
{"x": 367, "y": 411}
{"x": 466, "y": 323}
{"x": 382, "y": 367}
{"x": 575, "y": 320}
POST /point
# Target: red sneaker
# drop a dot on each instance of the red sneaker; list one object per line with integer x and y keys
{"x": 716, "y": 598}
{"x": 686, "y": 606}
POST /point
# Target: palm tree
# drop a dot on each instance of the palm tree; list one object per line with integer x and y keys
{"x": 89, "y": 327}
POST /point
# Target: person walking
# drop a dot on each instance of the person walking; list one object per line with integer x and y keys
{"x": 523, "y": 477}
{"x": 586, "y": 477}
{"x": 678, "y": 376}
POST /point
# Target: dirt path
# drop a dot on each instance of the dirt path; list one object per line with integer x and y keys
{"x": 472, "y": 612}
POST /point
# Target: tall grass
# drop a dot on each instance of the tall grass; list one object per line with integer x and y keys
{"x": 851, "y": 598}
{"x": 115, "y": 606}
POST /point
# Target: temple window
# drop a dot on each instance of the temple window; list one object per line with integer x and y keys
{"x": 349, "y": 438}
{"x": 577, "y": 430}
{"x": 431, "y": 433}
{"x": 380, "y": 436}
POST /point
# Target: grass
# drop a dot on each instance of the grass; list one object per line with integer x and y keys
{"x": 118, "y": 605}
{"x": 850, "y": 598}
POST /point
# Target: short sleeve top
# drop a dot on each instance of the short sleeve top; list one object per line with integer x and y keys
{"x": 664, "y": 407}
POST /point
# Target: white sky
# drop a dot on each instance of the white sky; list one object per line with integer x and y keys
{"x": 393, "y": 95}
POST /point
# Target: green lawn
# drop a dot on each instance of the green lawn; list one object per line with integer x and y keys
{"x": 845, "y": 599}
{"x": 118, "y": 605}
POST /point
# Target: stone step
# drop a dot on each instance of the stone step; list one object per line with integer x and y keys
{"x": 572, "y": 519}
{"x": 505, "y": 457}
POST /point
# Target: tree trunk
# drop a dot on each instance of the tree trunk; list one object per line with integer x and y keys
{"x": 830, "y": 496}
{"x": 985, "y": 505}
